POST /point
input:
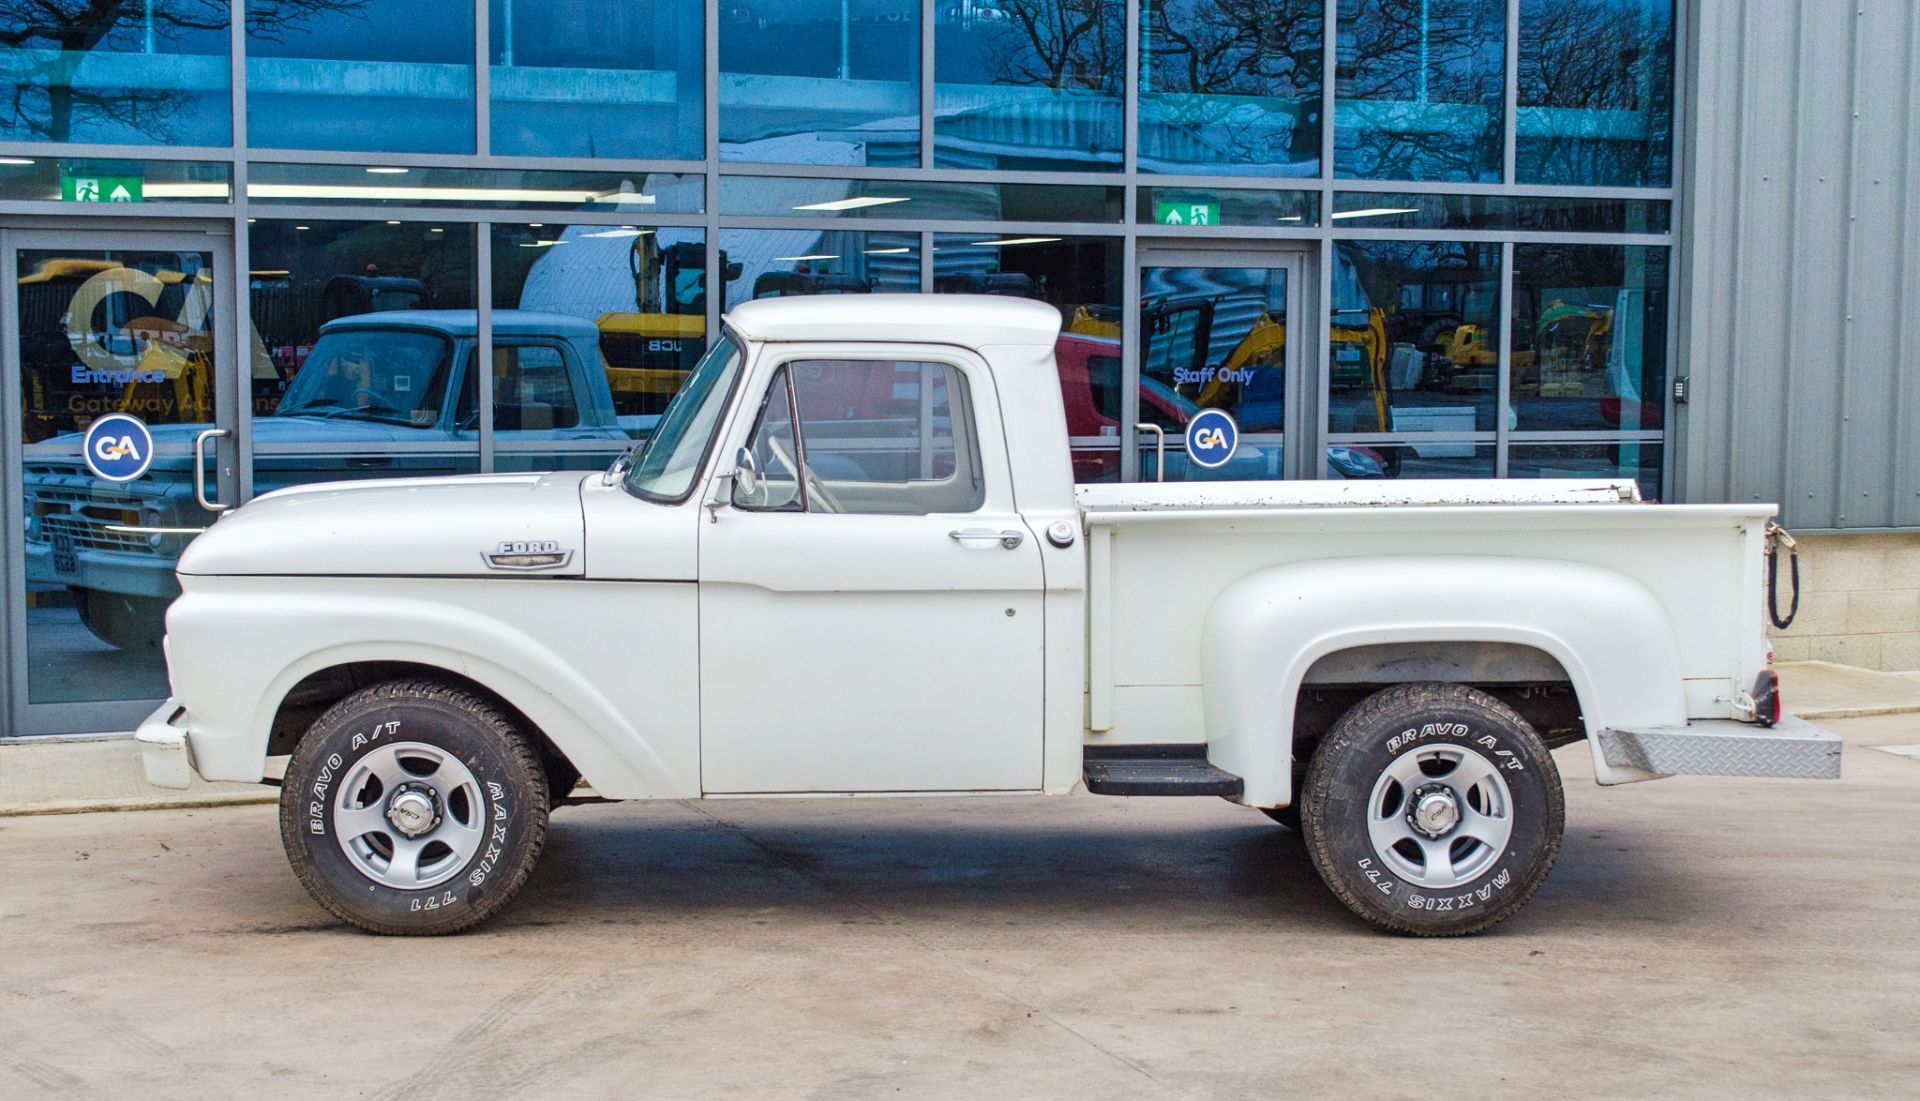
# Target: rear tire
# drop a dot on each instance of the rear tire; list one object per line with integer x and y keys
{"x": 1432, "y": 810}
{"x": 414, "y": 807}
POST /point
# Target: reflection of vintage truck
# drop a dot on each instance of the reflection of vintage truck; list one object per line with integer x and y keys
{"x": 442, "y": 659}
{"x": 371, "y": 382}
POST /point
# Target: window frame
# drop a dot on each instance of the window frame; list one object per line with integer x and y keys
{"x": 992, "y": 475}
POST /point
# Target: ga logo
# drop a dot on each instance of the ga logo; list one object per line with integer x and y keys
{"x": 1211, "y": 438}
{"x": 118, "y": 448}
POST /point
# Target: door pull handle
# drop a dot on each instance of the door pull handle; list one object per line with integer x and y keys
{"x": 200, "y": 470}
{"x": 1008, "y": 539}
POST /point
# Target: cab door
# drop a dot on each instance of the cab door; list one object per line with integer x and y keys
{"x": 870, "y": 599}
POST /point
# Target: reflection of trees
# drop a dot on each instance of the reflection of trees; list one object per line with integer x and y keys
{"x": 46, "y": 104}
{"x": 1236, "y": 48}
{"x": 1436, "y": 68}
{"x": 1597, "y": 55}
{"x": 1073, "y": 44}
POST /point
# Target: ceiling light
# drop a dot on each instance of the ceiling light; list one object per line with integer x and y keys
{"x": 1292, "y": 218}
{"x": 536, "y": 225}
{"x": 374, "y": 193}
{"x": 888, "y": 251}
{"x": 393, "y": 221}
{"x": 388, "y": 171}
{"x": 299, "y": 227}
{"x": 855, "y": 203}
{"x": 540, "y": 244}
{"x": 157, "y": 190}
{"x": 16, "y": 160}
{"x": 436, "y": 229}
{"x": 1018, "y": 241}
{"x": 813, "y": 256}
{"x": 1376, "y": 212}
{"x": 623, "y": 231}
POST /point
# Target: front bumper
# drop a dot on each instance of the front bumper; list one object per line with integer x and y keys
{"x": 1791, "y": 749}
{"x": 165, "y": 751}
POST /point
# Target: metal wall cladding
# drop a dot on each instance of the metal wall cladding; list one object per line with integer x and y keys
{"x": 1800, "y": 260}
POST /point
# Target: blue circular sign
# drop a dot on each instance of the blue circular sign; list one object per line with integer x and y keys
{"x": 118, "y": 448}
{"x": 1211, "y": 438}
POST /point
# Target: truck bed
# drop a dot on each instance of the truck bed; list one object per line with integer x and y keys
{"x": 1161, "y": 556}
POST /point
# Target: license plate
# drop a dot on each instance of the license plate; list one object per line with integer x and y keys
{"x": 64, "y": 560}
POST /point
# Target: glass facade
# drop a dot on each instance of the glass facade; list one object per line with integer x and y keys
{"x": 487, "y": 235}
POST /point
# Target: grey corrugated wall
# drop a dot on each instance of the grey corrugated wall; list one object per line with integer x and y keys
{"x": 1800, "y": 260}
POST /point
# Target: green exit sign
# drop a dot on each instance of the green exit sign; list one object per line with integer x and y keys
{"x": 101, "y": 189}
{"x": 1187, "y": 213}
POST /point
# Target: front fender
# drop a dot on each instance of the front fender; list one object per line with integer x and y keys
{"x": 233, "y": 660}
{"x": 1264, "y": 632}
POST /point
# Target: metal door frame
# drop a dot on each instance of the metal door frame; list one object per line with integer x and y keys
{"x": 1300, "y": 428}
{"x": 18, "y": 716}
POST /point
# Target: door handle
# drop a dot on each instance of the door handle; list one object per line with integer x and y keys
{"x": 369, "y": 462}
{"x": 1159, "y": 448}
{"x": 200, "y": 469}
{"x": 1009, "y": 539}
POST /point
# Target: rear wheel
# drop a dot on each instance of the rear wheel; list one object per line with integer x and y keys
{"x": 1433, "y": 810}
{"x": 414, "y": 807}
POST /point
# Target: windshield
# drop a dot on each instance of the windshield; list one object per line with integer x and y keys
{"x": 390, "y": 375}
{"x": 674, "y": 453}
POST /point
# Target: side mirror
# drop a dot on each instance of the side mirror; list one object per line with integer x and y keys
{"x": 746, "y": 473}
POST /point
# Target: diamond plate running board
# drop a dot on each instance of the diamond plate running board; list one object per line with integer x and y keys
{"x": 1791, "y": 749}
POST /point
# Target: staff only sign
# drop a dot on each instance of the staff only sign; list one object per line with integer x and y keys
{"x": 118, "y": 448}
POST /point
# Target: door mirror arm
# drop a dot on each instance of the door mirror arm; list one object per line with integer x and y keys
{"x": 743, "y": 478}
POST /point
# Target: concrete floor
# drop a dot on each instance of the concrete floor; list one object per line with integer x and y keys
{"x": 1700, "y": 938}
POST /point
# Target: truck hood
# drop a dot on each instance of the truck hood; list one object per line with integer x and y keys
{"x": 406, "y": 527}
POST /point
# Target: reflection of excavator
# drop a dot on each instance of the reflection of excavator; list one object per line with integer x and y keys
{"x": 649, "y": 351}
{"x": 1553, "y": 347}
{"x": 1179, "y": 329}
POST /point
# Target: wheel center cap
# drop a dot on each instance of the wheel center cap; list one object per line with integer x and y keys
{"x": 413, "y": 809}
{"x": 1433, "y": 810}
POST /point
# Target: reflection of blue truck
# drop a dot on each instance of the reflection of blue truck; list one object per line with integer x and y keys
{"x": 373, "y": 391}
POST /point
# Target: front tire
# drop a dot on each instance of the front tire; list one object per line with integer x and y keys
{"x": 414, "y": 807}
{"x": 1432, "y": 810}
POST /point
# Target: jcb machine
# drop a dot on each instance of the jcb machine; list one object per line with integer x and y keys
{"x": 649, "y": 351}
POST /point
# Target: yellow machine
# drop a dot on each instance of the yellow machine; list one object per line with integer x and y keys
{"x": 649, "y": 350}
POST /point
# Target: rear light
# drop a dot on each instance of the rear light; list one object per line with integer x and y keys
{"x": 1766, "y": 698}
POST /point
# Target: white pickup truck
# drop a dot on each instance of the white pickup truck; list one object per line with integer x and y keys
{"x": 852, "y": 560}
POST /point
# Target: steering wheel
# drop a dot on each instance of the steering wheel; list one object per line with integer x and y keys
{"x": 816, "y": 489}
{"x": 373, "y": 399}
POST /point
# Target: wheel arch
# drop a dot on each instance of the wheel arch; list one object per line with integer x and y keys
{"x": 1606, "y": 633}
{"x": 307, "y": 700}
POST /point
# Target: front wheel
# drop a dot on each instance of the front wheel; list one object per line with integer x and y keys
{"x": 1432, "y": 810}
{"x": 414, "y": 807}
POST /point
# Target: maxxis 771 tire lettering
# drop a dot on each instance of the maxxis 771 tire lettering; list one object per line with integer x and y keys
{"x": 414, "y": 807}
{"x": 1432, "y": 810}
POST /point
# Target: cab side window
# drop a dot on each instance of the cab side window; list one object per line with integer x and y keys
{"x": 532, "y": 390}
{"x": 872, "y": 437}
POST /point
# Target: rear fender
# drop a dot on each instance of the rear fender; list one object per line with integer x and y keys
{"x": 1606, "y": 630}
